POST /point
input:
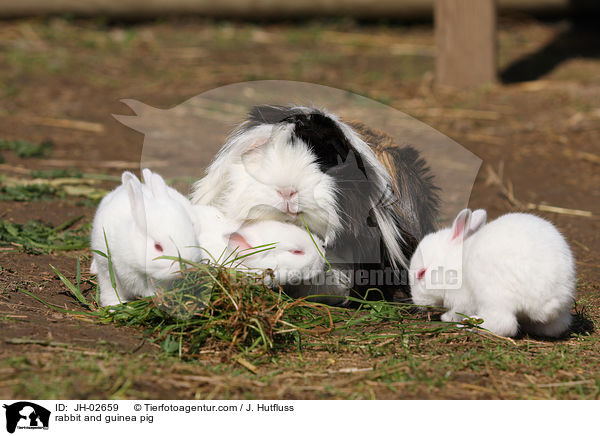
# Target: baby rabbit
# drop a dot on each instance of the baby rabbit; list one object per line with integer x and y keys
{"x": 298, "y": 262}
{"x": 515, "y": 271}
{"x": 141, "y": 222}
{"x": 289, "y": 249}
{"x": 293, "y": 257}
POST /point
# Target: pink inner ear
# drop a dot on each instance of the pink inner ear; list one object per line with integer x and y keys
{"x": 458, "y": 230}
{"x": 238, "y": 240}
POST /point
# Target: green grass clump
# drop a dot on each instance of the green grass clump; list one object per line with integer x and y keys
{"x": 26, "y": 149}
{"x": 57, "y": 173}
{"x": 29, "y": 192}
{"x": 51, "y": 185}
{"x": 219, "y": 306}
{"x": 35, "y": 237}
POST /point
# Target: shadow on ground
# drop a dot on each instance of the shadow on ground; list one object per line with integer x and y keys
{"x": 580, "y": 39}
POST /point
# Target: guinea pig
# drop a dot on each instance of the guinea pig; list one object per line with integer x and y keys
{"x": 304, "y": 166}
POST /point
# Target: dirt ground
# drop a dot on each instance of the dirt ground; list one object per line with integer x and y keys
{"x": 540, "y": 129}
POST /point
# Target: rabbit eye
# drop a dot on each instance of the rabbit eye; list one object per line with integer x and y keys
{"x": 421, "y": 273}
{"x": 298, "y": 252}
{"x": 158, "y": 247}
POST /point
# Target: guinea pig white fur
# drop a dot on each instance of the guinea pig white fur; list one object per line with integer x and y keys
{"x": 291, "y": 164}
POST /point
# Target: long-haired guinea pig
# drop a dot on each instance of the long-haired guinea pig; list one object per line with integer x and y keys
{"x": 296, "y": 164}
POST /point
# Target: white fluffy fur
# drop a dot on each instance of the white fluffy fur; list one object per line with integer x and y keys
{"x": 298, "y": 262}
{"x": 213, "y": 232}
{"x": 253, "y": 164}
{"x": 243, "y": 182}
{"x": 292, "y": 254}
{"x": 516, "y": 271}
{"x": 134, "y": 218}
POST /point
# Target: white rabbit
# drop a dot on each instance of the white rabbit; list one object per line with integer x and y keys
{"x": 259, "y": 245}
{"x": 518, "y": 270}
{"x": 297, "y": 260}
{"x": 213, "y": 232}
{"x": 292, "y": 254}
{"x": 141, "y": 223}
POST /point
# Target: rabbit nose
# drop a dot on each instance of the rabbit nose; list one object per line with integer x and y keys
{"x": 287, "y": 193}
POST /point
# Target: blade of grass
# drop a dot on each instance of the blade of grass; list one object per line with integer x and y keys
{"x": 78, "y": 276}
{"x": 71, "y": 287}
{"x": 54, "y": 306}
{"x": 314, "y": 242}
{"x": 111, "y": 271}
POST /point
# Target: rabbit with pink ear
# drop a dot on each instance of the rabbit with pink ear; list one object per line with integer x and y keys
{"x": 296, "y": 257}
{"x": 514, "y": 272}
{"x": 292, "y": 254}
{"x": 141, "y": 223}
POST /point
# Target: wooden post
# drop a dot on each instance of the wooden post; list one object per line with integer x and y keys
{"x": 465, "y": 33}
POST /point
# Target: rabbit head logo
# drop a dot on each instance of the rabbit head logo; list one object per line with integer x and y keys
{"x": 181, "y": 141}
{"x": 26, "y": 415}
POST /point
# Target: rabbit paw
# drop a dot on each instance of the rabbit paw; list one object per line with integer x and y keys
{"x": 450, "y": 316}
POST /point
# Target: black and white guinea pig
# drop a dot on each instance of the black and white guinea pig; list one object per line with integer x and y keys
{"x": 292, "y": 164}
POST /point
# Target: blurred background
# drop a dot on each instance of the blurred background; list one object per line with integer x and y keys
{"x": 515, "y": 82}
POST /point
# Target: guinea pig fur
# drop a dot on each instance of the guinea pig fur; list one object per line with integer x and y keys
{"x": 303, "y": 165}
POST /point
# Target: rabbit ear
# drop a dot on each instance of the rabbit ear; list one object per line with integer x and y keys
{"x": 156, "y": 183}
{"x": 460, "y": 224}
{"x": 136, "y": 198}
{"x": 477, "y": 221}
{"x": 237, "y": 240}
{"x": 147, "y": 176}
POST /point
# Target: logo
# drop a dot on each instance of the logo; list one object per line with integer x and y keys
{"x": 26, "y": 415}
